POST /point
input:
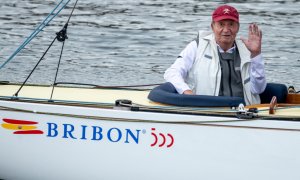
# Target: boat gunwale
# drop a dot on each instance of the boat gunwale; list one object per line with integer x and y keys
{"x": 155, "y": 109}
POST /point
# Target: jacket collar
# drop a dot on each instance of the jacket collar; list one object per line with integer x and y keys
{"x": 243, "y": 51}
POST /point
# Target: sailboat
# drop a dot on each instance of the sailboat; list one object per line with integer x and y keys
{"x": 71, "y": 131}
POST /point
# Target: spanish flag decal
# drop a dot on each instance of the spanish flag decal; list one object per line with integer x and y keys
{"x": 21, "y": 126}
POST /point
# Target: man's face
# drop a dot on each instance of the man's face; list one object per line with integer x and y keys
{"x": 225, "y": 31}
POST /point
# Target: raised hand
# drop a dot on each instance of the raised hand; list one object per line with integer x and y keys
{"x": 253, "y": 43}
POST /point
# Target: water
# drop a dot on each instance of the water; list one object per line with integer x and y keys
{"x": 125, "y": 42}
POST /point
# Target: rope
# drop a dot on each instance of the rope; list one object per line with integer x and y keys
{"x": 109, "y": 87}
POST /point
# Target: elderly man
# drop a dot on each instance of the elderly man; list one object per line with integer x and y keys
{"x": 218, "y": 64}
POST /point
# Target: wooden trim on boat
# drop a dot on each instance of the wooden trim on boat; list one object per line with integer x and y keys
{"x": 293, "y": 98}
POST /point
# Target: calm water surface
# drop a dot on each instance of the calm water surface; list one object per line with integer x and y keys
{"x": 125, "y": 42}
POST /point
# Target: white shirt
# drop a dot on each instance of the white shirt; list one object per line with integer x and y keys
{"x": 177, "y": 73}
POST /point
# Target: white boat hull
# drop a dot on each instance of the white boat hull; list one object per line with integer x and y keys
{"x": 93, "y": 143}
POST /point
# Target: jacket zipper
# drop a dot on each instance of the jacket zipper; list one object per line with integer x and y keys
{"x": 230, "y": 88}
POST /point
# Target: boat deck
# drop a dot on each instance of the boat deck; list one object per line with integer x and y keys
{"x": 79, "y": 94}
{"x": 82, "y": 95}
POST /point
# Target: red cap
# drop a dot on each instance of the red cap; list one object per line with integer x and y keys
{"x": 225, "y": 12}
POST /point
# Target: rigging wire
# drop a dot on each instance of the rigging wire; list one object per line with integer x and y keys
{"x": 60, "y": 36}
{"x": 60, "y": 6}
{"x": 16, "y": 94}
{"x": 62, "y": 48}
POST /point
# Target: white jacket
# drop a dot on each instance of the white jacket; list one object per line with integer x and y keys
{"x": 203, "y": 76}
